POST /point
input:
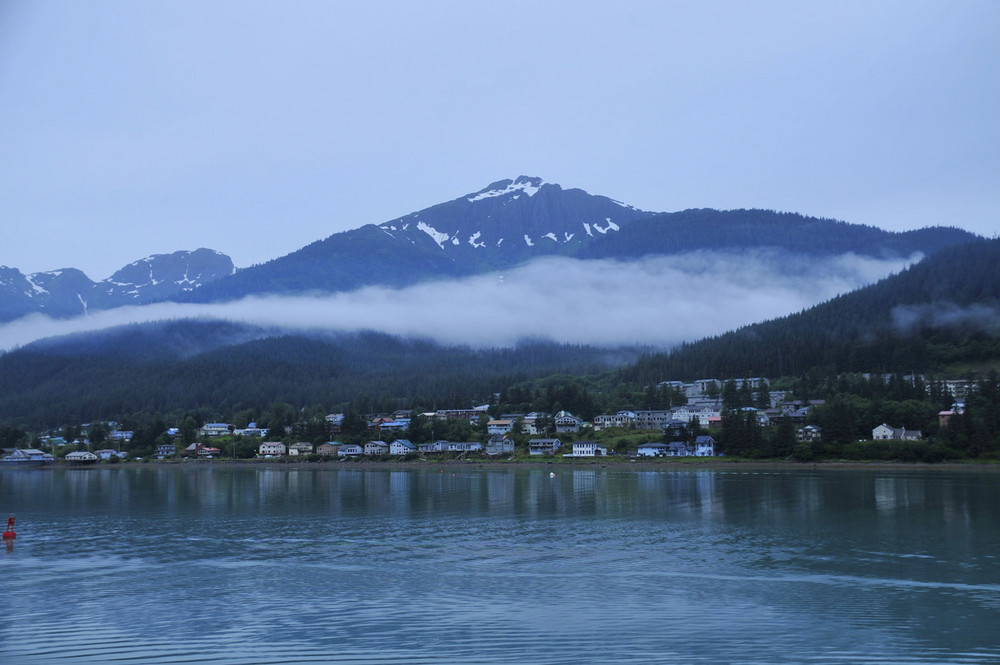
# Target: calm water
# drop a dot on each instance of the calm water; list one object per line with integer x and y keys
{"x": 252, "y": 565}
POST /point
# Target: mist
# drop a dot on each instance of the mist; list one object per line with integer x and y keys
{"x": 658, "y": 301}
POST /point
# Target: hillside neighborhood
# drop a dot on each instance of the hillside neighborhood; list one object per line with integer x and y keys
{"x": 690, "y": 429}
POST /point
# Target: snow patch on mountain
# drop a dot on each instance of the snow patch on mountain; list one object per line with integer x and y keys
{"x": 527, "y": 240}
{"x": 474, "y": 237}
{"x": 435, "y": 235}
{"x": 525, "y": 185}
{"x": 611, "y": 226}
{"x": 551, "y": 236}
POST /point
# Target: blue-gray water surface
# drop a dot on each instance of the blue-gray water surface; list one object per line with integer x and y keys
{"x": 342, "y": 564}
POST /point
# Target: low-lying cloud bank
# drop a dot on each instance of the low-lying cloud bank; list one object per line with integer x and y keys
{"x": 658, "y": 301}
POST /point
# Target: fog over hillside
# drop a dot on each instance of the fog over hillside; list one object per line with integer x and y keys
{"x": 659, "y": 301}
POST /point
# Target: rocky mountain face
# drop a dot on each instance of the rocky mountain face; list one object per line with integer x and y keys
{"x": 69, "y": 292}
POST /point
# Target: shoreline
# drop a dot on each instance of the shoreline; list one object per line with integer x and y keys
{"x": 630, "y": 464}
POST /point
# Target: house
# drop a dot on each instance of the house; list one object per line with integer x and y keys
{"x": 656, "y": 419}
{"x": 620, "y": 419}
{"x": 402, "y": 447}
{"x": 465, "y": 446}
{"x": 26, "y": 456}
{"x": 499, "y": 444}
{"x": 207, "y": 452}
{"x": 192, "y": 450}
{"x": 272, "y": 448}
{"x": 651, "y": 449}
{"x": 885, "y": 433}
{"x": 330, "y": 448}
{"x": 678, "y": 449}
{"x": 500, "y": 426}
{"x": 433, "y": 447}
{"x": 350, "y": 450}
{"x": 704, "y": 446}
{"x": 299, "y": 449}
{"x": 120, "y": 435}
{"x": 214, "y": 429}
{"x": 589, "y": 449}
{"x": 105, "y": 454}
{"x": 165, "y": 450}
{"x": 567, "y": 422}
{"x": 543, "y": 446}
{"x": 81, "y": 457}
{"x": 376, "y": 448}
{"x": 808, "y": 434}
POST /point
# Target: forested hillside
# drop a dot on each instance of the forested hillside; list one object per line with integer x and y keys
{"x": 943, "y": 312}
{"x": 219, "y": 368}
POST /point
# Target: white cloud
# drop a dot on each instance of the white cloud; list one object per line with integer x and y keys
{"x": 658, "y": 301}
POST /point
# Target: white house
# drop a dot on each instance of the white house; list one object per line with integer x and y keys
{"x": 433, "y": 447}
{"x": 567, "y": 422}
{"x": 81, "y": 456}
{"x": 402, "y": 447}
{"x": 620, "y": 419}
{"x": 885, "y": 433}
{"x": 704, "y": 446}
{"x": 376, "y": 448}
{"x": 350, "y": 450}
{"x": 465, "y": 446}
{"x": 273, "y": 448}
{"x": 500, "y": 426}
{"x": 589, "y": 449}
{"x": 302, "y": 448}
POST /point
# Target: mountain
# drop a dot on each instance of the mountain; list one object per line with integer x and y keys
{"x": 502, "y": 225}
{"x": 942, "y": 313}
{"x": 506, "y": 224}
{"x": 69, "y": 292}
{"x": 511, "y": 222}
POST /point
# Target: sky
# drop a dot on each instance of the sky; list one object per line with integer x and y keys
{"x": 254, "y": 128}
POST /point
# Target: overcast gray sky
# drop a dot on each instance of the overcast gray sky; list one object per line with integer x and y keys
{"x": 254, "y": 128}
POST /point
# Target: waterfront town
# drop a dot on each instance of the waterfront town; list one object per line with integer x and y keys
{"x": 690, "y": 429}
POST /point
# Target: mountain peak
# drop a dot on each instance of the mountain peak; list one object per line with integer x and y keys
{"x": 522, "y": 184}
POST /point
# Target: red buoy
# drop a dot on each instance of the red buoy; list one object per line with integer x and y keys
{"x": 9, "y": 533}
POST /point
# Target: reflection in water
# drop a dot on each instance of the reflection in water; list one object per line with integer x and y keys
{"x": 500, "y": 564}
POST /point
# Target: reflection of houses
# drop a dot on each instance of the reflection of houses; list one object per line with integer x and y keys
{"x": 499, "y": 445}
{"x": 885, "y": 433}
{"x": 543, "y": 446}
{"x": 589, "y": 449}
